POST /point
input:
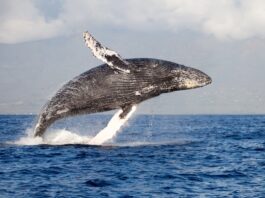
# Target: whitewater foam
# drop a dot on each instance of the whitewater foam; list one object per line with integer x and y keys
{"x": 53, "y": 137}
{"x": 63, "y": 136}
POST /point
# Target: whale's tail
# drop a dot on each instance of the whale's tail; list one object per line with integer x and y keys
{"x": 41, "y": 126}
{"x": 38, "y": 131}
{"x": 46, "y": 118}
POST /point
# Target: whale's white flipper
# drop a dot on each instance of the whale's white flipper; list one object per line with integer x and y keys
{"x": 108, "y": 56}
{"x": 113, "y": 127}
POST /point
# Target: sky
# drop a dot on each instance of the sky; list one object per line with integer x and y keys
{"x": 41, "y": 48}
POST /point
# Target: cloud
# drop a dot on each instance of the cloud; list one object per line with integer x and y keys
{"x": 22, "y": 21}
{"x": 224, "y": 19}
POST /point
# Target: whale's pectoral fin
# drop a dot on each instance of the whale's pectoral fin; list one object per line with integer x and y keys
{"x": 111, "y": 58}
{"x": 125, "y": 111}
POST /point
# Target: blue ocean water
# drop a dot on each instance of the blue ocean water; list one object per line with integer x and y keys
{"x": 153, "y": 156}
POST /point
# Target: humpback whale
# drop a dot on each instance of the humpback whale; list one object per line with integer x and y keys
{"x": 117, "y": 84}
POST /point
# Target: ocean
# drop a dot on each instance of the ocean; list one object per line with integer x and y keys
{"x": 152, "y": 156}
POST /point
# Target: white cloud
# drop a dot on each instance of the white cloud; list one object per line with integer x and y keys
{"x": 22, "y": 21}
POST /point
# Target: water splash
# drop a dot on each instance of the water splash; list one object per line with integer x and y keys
{"x": 53, "y": 137}
{"x": 62, "y": 136}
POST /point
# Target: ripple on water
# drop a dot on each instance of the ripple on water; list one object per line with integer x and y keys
{"x": 98, "y": 183}
{"x": 174, "y": 156}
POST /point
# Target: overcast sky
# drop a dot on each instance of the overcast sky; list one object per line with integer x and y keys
{"x": 41, "y": 48}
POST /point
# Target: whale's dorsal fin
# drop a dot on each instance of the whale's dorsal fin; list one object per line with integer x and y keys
{"x": 108, "y": 56}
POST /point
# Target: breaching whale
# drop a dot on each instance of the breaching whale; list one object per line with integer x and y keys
{"x": 117, "y": 84}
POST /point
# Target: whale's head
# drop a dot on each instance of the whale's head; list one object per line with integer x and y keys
{"x": 174, "y": 77}
{"x": 188, "y": 78}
